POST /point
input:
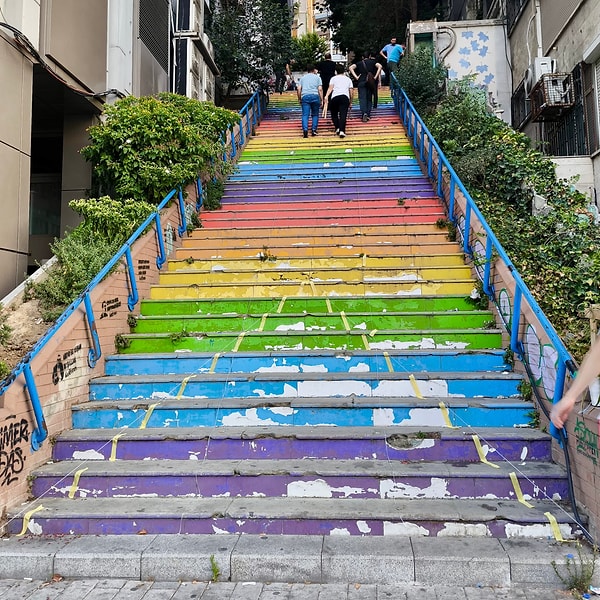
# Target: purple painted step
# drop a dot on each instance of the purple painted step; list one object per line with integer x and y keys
{"x": 296, "y": 516}
{"x": 393, "y": 442}
{"x": 306, "y": 478}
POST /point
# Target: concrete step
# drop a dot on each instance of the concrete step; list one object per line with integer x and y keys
{"x": 393, "y": 562}
{"x": 299, "y": 478}
{"x": 173, "y": 412}
{"x": 391, "y": 442}
{"x": 497, "y": 518}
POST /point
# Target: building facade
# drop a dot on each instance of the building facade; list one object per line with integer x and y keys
{"x": 61, "y": 61}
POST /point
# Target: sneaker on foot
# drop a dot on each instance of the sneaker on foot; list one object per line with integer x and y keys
{"x": 315, "y": 132}
{"x": 342, "y": 134}
{"x": 337, "y": 132}
{"x": 305, "y": 134}
{"x": 365, "y": 118}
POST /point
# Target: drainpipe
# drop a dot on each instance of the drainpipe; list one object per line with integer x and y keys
{"x": 538, "y": 28}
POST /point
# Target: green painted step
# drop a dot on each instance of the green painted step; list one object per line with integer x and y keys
{"x": 279, "y": 155}
{"x": 242, "y": 306}
{"x": 302, "y": 340}
{"x": 314, "y": 321}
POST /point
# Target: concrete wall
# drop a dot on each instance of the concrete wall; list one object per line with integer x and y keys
{"x": 16, "y": 78}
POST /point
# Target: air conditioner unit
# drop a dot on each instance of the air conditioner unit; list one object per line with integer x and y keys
{"x": 536, "y": 69}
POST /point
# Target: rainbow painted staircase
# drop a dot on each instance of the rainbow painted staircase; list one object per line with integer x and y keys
{"x": 310, "y": 372}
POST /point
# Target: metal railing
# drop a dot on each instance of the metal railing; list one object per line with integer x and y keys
{"x": 233, "y": 140}
{"x": 487, "y": 255}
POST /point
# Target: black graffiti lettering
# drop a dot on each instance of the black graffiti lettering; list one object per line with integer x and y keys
{"x": 109, "y": 308}
{"x": 13, "y": 434}
{"x": 11, "y": 464}
{"x": 58, "y": 372}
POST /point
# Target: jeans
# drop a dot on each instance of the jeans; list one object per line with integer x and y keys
{"x": 339, "y": 111}
{"x": 311, "y": 105}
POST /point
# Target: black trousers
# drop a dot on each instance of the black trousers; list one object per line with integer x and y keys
{"x": 339, "y": 111}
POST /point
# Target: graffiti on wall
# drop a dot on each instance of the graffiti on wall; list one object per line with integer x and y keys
{"x": 587, "y": 441}
{"x": 65, "y": 364}
{"x": 143, "y": 266}
{"x": 542, "y": 360}
{"x": 13, "y": 434}
{"x": 109, "y": 307}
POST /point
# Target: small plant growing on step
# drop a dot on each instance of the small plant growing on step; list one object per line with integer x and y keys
{"x": 178, "y": 336}
{"x": 189, "y": 260}
{"x": 121, "y": 342}
{"x": 266, "y": 255}
{"x": 214, "y": 568}
{"x": 578, "y": 571}
{"x": 534, "y": 419}
{"x": 509, "y": 358}
{"x": 132, "y": 321}
{"x": 478, "y": 298}
{"x": 525, "y": 390}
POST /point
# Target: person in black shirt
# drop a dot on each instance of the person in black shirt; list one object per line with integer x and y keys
{"x": 359, "y": 72}
{"x": 326, "y": 70}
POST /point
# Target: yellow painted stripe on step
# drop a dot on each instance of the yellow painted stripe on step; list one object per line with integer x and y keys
{"x": 446, "y": 415}
{"x": 280, "y": 307}
{"x": 364, "y": 260}
{"x": 148, "y": 415}
{"x": 415, "y": 386}
{"x": 365, "y": 342}
{"x": 183, "y": 385}
{"x": 482, "y": 457}
{"x": 328, "y": 304}
{"x": 345, "y": 321}
{"x": 213, "y": 364}
{"x": 518, "y": 492}
{"x": 313, "y": 287}
{"x": 113, "y": 450}
{"x": 263, "y": 321}
{"x": 554, "y": 526}
{"x": 238, "y": 342}
{"x": 27, "y": 518}
{"x": 372, "y": 333}
{"x": 388, "y": 361}
{"x": 75, "y": 484}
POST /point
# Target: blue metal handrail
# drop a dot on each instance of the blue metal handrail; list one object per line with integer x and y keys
{"x": 415, "y": 124}
{"x": 252, "y": 111}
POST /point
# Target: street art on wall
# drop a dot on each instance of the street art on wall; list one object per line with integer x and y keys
{"x": 14, "y": 434}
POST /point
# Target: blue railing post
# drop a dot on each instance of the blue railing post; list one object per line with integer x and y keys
{"x": 161, "y": 257}
{"x": 466, "y": 230}
{"x": 233, "y": 145}
{"x": 183, "y": 227}
{"x": 95, "y": 351}
{"x": 451, "y": 200}
{"x": 199, "y": 194}
{"x": 133, "y": 297}
{"x": 488, "y": 288}
{"x": 515, "y": 344}
{"x": 40, "y": 433}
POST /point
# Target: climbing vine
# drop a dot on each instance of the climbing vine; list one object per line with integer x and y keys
{"x": 557, "y": 252}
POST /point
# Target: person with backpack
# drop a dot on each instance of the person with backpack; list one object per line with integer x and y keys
{"x": 366, "y": 73}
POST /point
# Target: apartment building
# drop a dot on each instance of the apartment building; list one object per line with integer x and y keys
{"x": 60, "y": 62}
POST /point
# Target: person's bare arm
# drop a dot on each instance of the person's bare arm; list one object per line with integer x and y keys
{"x": 590, "y": 368}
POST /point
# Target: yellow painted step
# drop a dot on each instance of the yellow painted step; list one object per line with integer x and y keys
{"x": 270, "y": 262}
{"x": 308, "y": 289}
{"x": 333, "y": 274}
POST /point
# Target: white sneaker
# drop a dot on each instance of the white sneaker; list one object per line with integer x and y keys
{"x": 337, "y": 132}
{"x": 342, "y": 134}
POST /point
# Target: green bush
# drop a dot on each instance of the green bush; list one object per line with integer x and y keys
{"x": 421, "y": 79}
{"x": 86, "y": 249}
{"x": 147, "y": 146}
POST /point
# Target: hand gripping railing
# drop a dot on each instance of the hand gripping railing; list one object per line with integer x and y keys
{"x": 449, "y": 186}
{"x": 233, "y": 140}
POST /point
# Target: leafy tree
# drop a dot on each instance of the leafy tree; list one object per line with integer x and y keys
{"x": 308, "y": 49}
{"x": 147, "y": 146}
{"x": 363, "y": 24}
{"x": 252, "y": 39}
{"x": 422, "y": 80}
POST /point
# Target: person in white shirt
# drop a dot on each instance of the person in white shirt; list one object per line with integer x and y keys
{"x": 339, "y": 96}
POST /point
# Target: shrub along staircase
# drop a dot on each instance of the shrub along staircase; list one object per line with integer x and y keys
{"x": 310, "y": 372}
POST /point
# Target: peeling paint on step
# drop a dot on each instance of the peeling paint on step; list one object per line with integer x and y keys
{"x": 87, "y": 455}
{"x": 438, "y": 488}
{"x": 320, "y": 489}
{"x": 405, "y": 529}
